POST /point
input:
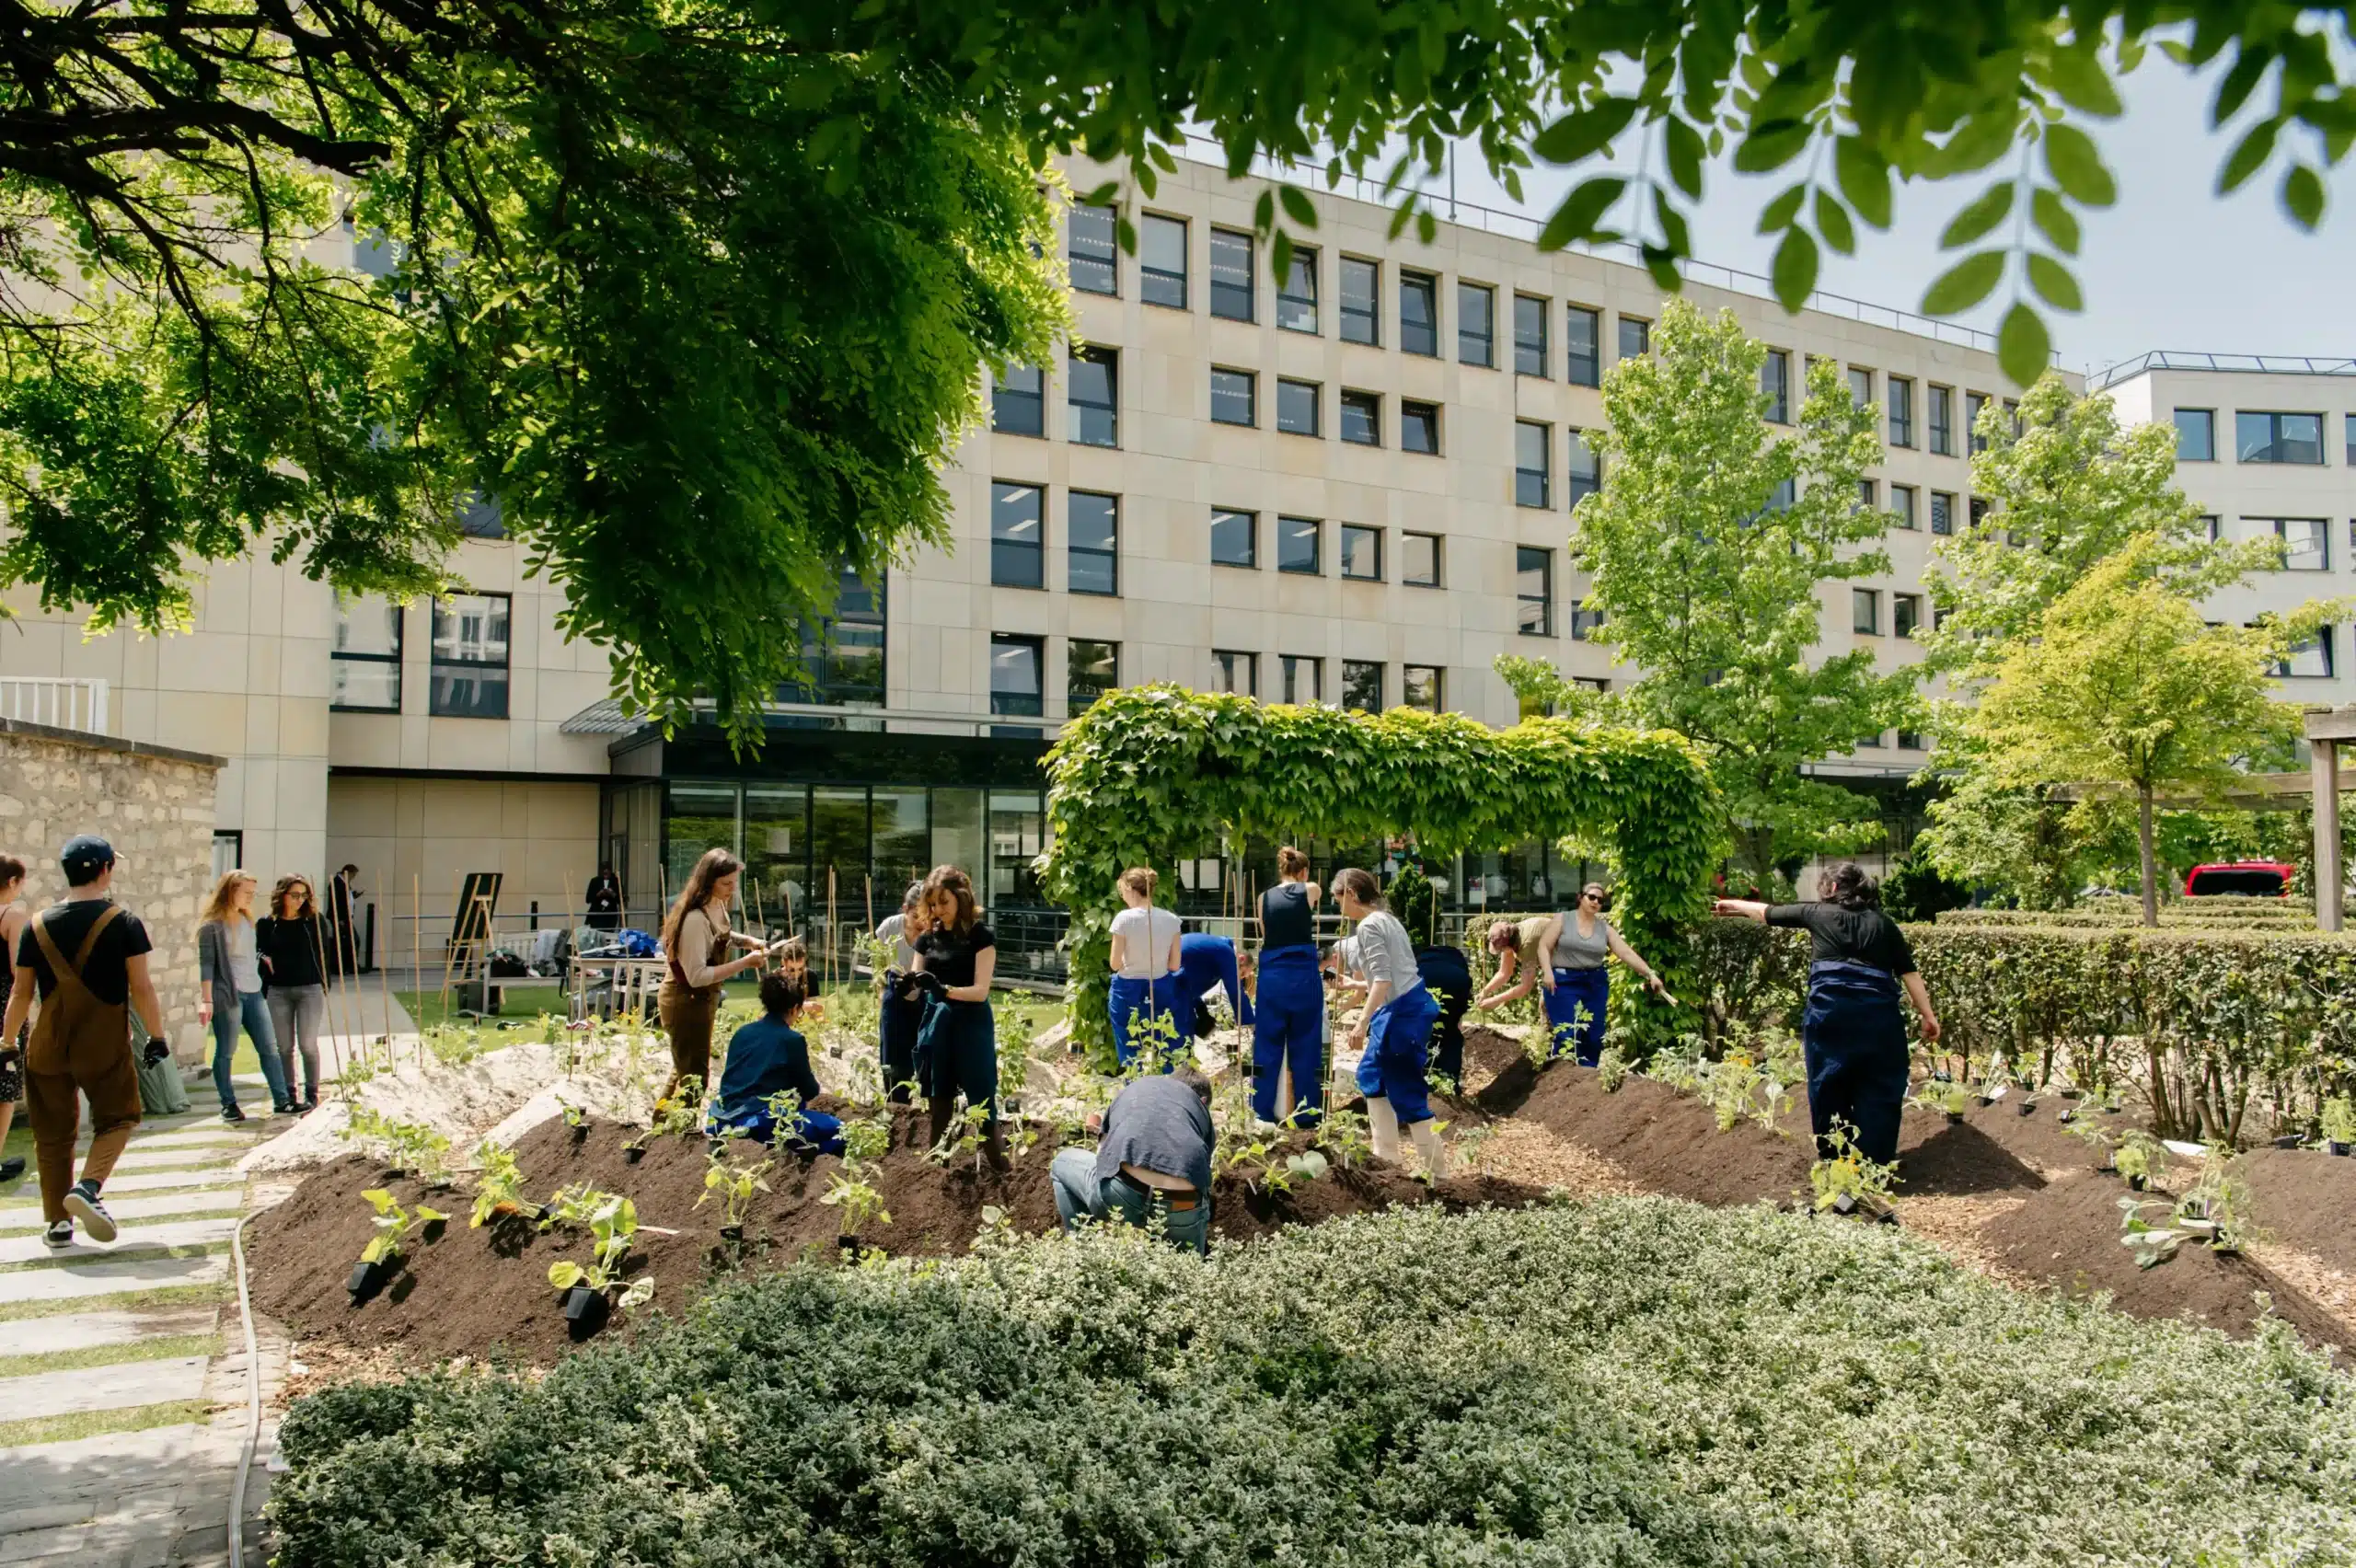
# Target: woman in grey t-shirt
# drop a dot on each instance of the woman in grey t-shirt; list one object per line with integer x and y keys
{"x": 1394, "y": 1033}
{"x": 1574, "y": 947}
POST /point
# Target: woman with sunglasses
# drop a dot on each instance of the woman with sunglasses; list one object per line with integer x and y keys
{"x": 1577, "y": 986}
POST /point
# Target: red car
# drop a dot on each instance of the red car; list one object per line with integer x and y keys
{"x": 2251, "y": 878}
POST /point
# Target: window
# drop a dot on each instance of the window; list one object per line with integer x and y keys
{"x": 1901, "y": 410}
{"x": 1231, "y": 275}
{"x": 1234, "y": 398}
{"x": 2309, "y": 660}
{"x": 1361, "y": 553}
{"x": 1786, "y": 493}
{"x": 1584, "y": 476}
{"x": 1018, "y": 547}
{"x": 1419, "y": 559}
{"x": 1297, "y": 300}
{"x": 1775, "y": 381}
{"x": 1978, "y": 509}
{"x": 1418, "y": 426}
{"x": 1301, "y": 545}
{"x": 1091, "y": 669}
{"x": 1296, "y": 406}
{"x": 1362, "y": 417}
{"x": 2351, "y": 441}
{"x": 1901, "y": 506}
{"x": 1529, "y": 336}
{"x": 1943, "y": 421}
{"x": 1238, "y": 674}
{"x": 847, "y": 670}
{"x": 1091, "y": 252}
{"x": 1476, "y": 326}
{"x": 2012, "y": 416}
{"x": 2306, "y": 543}
{"x": 1095, "y": 397}
{"x": 1162, "y": 260}
{"x": 2277, "y": 438}
{"x": 1586, "y": 620}
{"x": 1865, "y": 611}
{"x": 1861, "y": 386}
{"x": 1419, "y": 687}
{"x": 1908, "y": 740}
{"x": 1362, "y": 686}
{"x": 364, "y": 669}
{"x": 1534, "y": 589}
{"x": 1015, "y": 666}
{"x": 1235, "y": 538}
{"x": 1419, "y": 314}
{"x": 1092, "y": 541}
{"x": 1905, "y": 614}
{"x": 1972, "y": 403}
{"x": 1868, "y": 495}
{"x": 1942, "y": 513}
{"x": 1532, "y": 473}
{"x": 1361, "y": 301}
{"x": 1018, "y": 402}
{"x": 1584, "y": 334}
{"x": 2196, "y": 435}
{"x": 469, "y": 657}
{"x": 1869, "y": 742}
{"x": 2215, "y": 526}
{"x": 482, "y": 516}
{"x": 1636, "y": 337}
{"x": 1304, "y": 678}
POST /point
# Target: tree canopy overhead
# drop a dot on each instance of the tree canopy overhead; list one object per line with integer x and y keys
{"x": 699, "y": 286}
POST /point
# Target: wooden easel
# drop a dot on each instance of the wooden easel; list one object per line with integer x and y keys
{"x": 468, "y": 960}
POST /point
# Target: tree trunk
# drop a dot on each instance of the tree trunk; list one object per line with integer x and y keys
{"x": 2151, "y": 862}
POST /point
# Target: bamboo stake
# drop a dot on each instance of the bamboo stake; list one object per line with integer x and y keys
{"x": 318, "y": 956}
{"x": 385, "y": 981}
{"x": 416, "y": 950}
{"x": 330, "y": 997}
{"x": 833, "y": 927}
{"x": 761, "y": 917}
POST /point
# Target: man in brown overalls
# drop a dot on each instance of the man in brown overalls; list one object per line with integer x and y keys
{"x": 86, "y": 960}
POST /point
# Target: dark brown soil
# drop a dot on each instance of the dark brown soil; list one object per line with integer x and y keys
{"x": 2306, "y": 1199}
{"x": 470, "y": 1292}
{"x": 2068, "y": 1234}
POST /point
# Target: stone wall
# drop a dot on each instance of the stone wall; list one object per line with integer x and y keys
{"x": 153, "y": 804}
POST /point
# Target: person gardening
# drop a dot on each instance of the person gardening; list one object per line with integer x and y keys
{"x": 1519, "y": 963}
{"x": 1289, "y": 1018}
{"x": 1393, "y": 1037}
{"x": 1152, "y": 1158}
{"x": 765, "y": 1058}
{"x": 1577, "y": 988}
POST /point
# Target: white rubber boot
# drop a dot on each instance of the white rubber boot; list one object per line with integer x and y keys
{"x": 1284, "y": 1091}
{"x": 1383, "y": 1123}
{"x": 1427, "y": 1143}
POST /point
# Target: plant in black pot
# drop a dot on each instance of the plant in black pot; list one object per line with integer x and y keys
{"x": 857, "y": 1204}
{"x": 736, "y": 1184}
{"x": 2095, "y": 1137}
{"x": 1848, "y": 1182}
{"x": 1945, "y": 1096}
{"x": 395, "y": 1226}
{"x": 2339, "y": 1125}
{"x": 499, "y": 1184}
{"x": 588, "y": 1291}
{"x": 2139, "y": 1158}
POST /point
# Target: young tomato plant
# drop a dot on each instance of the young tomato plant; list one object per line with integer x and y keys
{"x": 395, "y": 1226}
{"x": 499, "y": 1186}
{"x": 736, "y": 1184}
{"x": 611, "y": 1227}
{"x": 1848, "y": 1181}
{"x": 857, "y": 1204}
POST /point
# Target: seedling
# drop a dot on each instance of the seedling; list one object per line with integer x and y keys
{"x": 1345, "y": 1137}
{"x": 679, "y": 1116}
{"x": 1943, "y": 1096}
{"x": 736, "y": 1184}
{"x": 1470, "y": 1143}
{"x": 611, "y": 1225}
{"x": 867, "y": 1139}
{"x": 2339, "y": 1125}
{"x": 2094, "y": 1135}
{"x": 858, "y": 1204}
{"x": 1611, "y": 1069}
{"x": 572, "y": 1206}
{"x": 409, "y": 1146}
{"x": 2218, "y": 1206}
{"x": 1847, "y": 1181}
{"x": 969, "y": 1134}
{"x": 499, "y": 1187}
{"x": 2153, "y": 1244}
{"x": 2139, "y": 1158}
{"x": 395, "y": 1226}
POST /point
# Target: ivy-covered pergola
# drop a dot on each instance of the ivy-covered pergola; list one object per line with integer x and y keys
{"x": 1148, "y": 774}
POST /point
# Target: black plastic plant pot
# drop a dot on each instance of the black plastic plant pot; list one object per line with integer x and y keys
{"x": 1955, "y": 1118}
{"x": 2135, "y": 1184}
{"x": 733, "y": 1234}
{"x": 1986, "y": 1101}
{"x": 849, "y": 1245}
{"x": 1887, "y": 1216}
{"x": 2110, "y": 1110}
{"x": 2340, "y": 1149}
{"x": 633, "y": 1153}
{"x": 541, "y": 1214}
{"x": 586, "y": 1311}
{"x": 368, "y": 1278}
{"x": 2071, "y": 1093}
{"x": 2069, "y": 1114}
{"x": 2289, "y": 1140}
{"x": 1845, "y": 1204}
{"x": 2029, "y": 1107}
{"x": 580, "y": 1132}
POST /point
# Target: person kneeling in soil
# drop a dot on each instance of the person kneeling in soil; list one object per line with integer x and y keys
{"x": 765, "y": 1058}
{"x": 1153, "y": 1159}
{"x": 1207, "y": 965}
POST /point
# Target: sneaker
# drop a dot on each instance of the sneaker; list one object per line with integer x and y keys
{"x": 82, "y": 1202}
{"x": 289, "y": 1109}
{"x": 11, "y": 1168}
{"x": 310, "y": 1102}
{"x": 60, "y": 1234}
{"x": 233, "y": 1114}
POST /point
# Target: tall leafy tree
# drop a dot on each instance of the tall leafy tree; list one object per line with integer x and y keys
{"x": 1708, "y": 546}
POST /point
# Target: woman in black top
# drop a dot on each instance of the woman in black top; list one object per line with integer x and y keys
{"x": 293, "y": 944}
{"x": 1288, "y": 1018}
{"x": 957, "y": 1044}
{"x": 1852, "y": 1032}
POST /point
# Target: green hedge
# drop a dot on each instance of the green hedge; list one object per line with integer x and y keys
{"x": 2232, "y": 1033}
{"x": 2199, "y": 913}
{"x": 1631, "y": 1382}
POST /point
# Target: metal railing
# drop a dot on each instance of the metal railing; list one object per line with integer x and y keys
{"x": 60, "y": 701}
{"x": 2243, "y": 364}
{"x": 606, "y": 717}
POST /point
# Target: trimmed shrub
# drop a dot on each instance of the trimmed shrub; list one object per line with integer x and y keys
{"x": 1628, "y": 1381}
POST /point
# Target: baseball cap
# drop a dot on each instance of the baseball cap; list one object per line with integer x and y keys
{"x": 84, "y": 856}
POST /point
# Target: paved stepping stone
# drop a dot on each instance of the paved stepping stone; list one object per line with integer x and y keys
{"x": 213, "y": 1200}
{"x": 138, "y": 1159}
{"x": 197, "y": 1136}
{"x": 100, "y": 1274}
{"x": 88, "y": 1330}
{"x": 124, "y": 1386}
{"x": 139, "y": 1182}
{"x": 181, "y": 1233}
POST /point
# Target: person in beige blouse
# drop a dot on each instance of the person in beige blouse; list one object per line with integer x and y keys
{"x": 697, "y": 943}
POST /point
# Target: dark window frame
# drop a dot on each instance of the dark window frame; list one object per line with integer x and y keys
{"x": 1578, "y": 485}
{"x": 1438, "y": 675}
{"x": 1315, "y": 532}
{"x": 1897, "y": 401}
{"x": 1865, "y": 612}
{"x": 1289, "y": 664}
{"x": 1939, "y": 410}
{"x": 1909, "y": 514}
{"x": 1342, "y": 551}
{"x": 1225, "y": 290}
{"x": 1013, "y": 704}
{"x": 1583, "y": 369}
{"x": 1776, "y": 384}
{"x": 1413, "y": 411}
{"x": 1077, "y": 409}
{"x": 1644, "y": 336}
{"x": 1007, "y": 552}
{"x": 1936, "y": 498}
{"x": 1526, "y": 560}
{"x": 1075, "y": 552}
{"x": 1110, "y": 260}
{"x": 2275, "y": 439}
{"x": 1367, "y": 319}
{"x": 438, "y": 705}
{"x": 1528, "y": 353}
{"x": 1543, "y": 476}
{"x": 1439, "y": 560}
{"x": 1251, "y": 382}
{"x": 1316, "y": 390}
{"x": 1250, "y": 662}
{"x": 1149, "y": 275}
{"x": 1487, "y": 337}
{"x": 1079, "y": 698}
{"x": 1355, "y": 671}
{"x": 1426, "y": 285}
{"x": 1303, "y": 264}
{"x": 1033, "y": 397}
{"x": 1251, "y": 535}
{"x": 1367, "y": 402}
{"x": 2208, "y": 435}
{"x": 399, "y": 623}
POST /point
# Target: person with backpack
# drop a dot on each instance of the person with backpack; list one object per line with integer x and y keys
{"x": 81, "y": 971}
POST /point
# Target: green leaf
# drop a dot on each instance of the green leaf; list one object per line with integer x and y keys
{"x": 1583, "y": 132}
{"x": 2233, "y": 89}
{"x": 1771, "y": 145}
{"x": 1794, "y": 268}
{"x": 1983, "y": 214}
{"x": 2077, "y": 168}
{"x": 1427, "y": 226}
{"x": 1964, "y": 284}
{"x": 1833, "y": 222}
{"x": 1264, "y": 211}
{"x": 2302, "y": 195}
{"x": 1297, "y": 206}
{"x": 2249, "y": 156}
{"x": 2079, "y": 76}
{"x": 1661, "y": 262}
{"x": 1097, "y": 196}
{"x": 1581, "y": 211}
{"x": 2054, "y": 220}
{"x": 1683, "y": 145}
{"x": 2054, "y": 283}
{"x": 1865, "y": 179}
{"x": 1280, "y": 257}
{"x": 2022, "y": 346}
{"x": 1779, "y": 213}
{"x": 1159, "y": 156}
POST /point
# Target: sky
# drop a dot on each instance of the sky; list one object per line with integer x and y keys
{"x": 2172, "y": 265}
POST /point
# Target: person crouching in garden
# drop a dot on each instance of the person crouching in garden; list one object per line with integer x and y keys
{"x": 1853, "y": 1035}
{"x": 765, "y": 1058}
{"x": 1152, "y": 1161}
{"x": 1576, "y": 986}
{"x": 1145, "y": 974}
{"x": 957, "y": 1047}
{"x": 697, "y": 943}
{"x": 1521, "y": 964}
{"x": 1394, "y": 1035}
{"x": 903, "y": 1014}
{"x": 1206, "y": 965}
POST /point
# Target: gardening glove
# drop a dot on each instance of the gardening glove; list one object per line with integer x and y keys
{"x": 157, "y": 1050}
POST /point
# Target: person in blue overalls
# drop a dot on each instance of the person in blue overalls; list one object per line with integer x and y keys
{"x": 1208, "y": 964}
{"x": 765, "y": 1058}
{"x": 1575, "y": 946}
{"x": 1394, "y": 1035}
{"x": 1853, "y": 1035}
{"x": 1287, "y": 1026}
{"x": 957, "y": 1045}
{"x": 1145, "y": 974}
{"x": 903, "y": 1012}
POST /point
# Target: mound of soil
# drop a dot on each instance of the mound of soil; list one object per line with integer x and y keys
{"x": 2307, "y": 1200}
{"x": 2067, "y": 1234}
{"x": 483, "y": 1292}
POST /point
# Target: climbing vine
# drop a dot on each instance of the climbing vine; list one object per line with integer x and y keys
{"x": 1151, "y": 775}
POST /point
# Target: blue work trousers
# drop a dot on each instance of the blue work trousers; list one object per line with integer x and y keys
{"x": 1288, "y": 1029}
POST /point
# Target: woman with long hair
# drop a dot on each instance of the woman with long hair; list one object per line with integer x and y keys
{"x": 1145, "y": 971}
{"x": 1574, "y": 947}
{"x": 957, "y": 1045}
{"x": 1393, "y": 1034}
{"x": 1289, "y": 1018}
{"x": 903, "y": 1014}
{"x": 294, "y": 942}
{"x": 13, "y": 921}
{"x": 697, "y": 943}
{"x": 1852, "y": 1034}
{"x": 228, "y": 963}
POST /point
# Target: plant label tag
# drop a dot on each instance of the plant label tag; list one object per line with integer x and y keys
{"x": 1993, "y": 1095}
{"x": 2178, "y": 1146}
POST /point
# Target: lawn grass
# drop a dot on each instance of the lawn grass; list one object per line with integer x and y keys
{"x": 165, "y": 1347}
{"x": 153, "y": 1298}
{"x": 99, "y": 1422}
{"x": 130, "y": 1237}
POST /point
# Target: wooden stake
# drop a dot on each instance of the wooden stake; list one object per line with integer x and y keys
{"x": 385, "y": 982}
{"x": 416, "y": 952}
{"x": 832, "y": 926}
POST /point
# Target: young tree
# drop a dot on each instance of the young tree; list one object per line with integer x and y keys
{"x": 1708, "y": 547}
{"x": 2124, "y": 684}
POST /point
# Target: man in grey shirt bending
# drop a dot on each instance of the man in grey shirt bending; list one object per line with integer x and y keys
{"x": 1154, "y": 1157}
